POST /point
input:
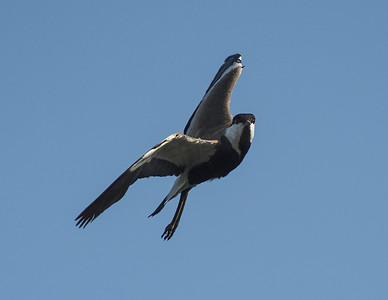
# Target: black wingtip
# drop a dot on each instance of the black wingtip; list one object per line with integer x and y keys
{"x": 233, "y": 57}
{"x": 83, "y": 220}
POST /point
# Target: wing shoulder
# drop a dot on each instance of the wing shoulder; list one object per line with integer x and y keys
{"x": 177, "y": 150}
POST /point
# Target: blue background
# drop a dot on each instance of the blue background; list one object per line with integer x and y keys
{"x": 86, "y": 87}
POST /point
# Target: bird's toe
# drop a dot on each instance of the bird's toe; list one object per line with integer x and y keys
{"x": 168, "y": 232}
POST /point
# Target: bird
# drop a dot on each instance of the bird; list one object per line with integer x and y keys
{"x": 212, "y": 144}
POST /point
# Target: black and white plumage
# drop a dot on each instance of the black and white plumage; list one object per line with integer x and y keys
{"x": 193, "y": 159}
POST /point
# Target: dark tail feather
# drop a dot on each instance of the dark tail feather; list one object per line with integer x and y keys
{"x": 159, "y": 208}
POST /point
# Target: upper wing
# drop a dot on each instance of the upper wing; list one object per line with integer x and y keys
{"x": 212, "y": 115}
{"x": 169, "y": 157}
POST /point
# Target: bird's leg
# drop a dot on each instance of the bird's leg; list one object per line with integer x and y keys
{"x": 170, "y": 229}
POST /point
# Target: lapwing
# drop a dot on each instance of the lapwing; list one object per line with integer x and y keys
{"x": 213, "y": 144}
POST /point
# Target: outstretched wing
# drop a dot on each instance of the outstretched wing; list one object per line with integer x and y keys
{"x": 212, "y": 115}
{"x": 169, "y": 157}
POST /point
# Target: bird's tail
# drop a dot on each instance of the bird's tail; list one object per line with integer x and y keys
{"x": 180, "y": 184}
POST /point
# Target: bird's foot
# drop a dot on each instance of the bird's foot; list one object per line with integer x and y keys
{"x": 169, "y": 231}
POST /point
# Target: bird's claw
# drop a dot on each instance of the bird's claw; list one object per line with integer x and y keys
{"x": 168, "y": 232}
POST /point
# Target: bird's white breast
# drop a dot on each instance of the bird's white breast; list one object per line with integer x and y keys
{"x": 233, "y": 134}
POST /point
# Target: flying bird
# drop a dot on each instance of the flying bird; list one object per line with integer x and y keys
{"x": 213, "y": 144}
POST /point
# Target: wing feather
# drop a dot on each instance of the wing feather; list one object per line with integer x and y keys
{"x": 169, "y": 157}
{"x": 212, "y": 115}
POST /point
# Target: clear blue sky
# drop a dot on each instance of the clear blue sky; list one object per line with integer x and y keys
{"x": 86, "y": 87}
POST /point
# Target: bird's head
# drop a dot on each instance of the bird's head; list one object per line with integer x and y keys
{"x": 240, "y": 133}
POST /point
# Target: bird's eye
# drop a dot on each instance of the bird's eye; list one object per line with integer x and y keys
{"x": 238, "y": 60}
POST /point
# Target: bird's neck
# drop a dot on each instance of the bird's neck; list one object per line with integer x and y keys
{"x": 240, "y": 137}
{"x": 233, "y": 134}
